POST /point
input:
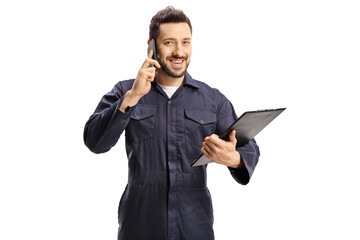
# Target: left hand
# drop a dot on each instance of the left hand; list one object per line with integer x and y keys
{"x": 221, "y": 151}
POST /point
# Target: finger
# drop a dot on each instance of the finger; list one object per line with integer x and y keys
{"x": 149, "y": 72}
{"x": 146, "y": 73}
{"x": 155, "y": 63}
{"x": 214, "y": 140}
{"x": 232, "y": 137}
{"x": 210, "y": 146}
{"x": 207, "y": 147}
{"x": 146, "y": 62}
{"x": 149, "y": 77}
{"x": 205, "y": 152}
{"x": 212, "y": 137}
{"x": 150, "y": 61}
{"x": 150, "y": 54}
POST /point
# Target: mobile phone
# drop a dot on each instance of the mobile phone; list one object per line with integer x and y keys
{"x": 152, "y": 46}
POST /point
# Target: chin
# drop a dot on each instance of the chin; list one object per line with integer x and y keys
{"x": 174, "y": 74}
{"x": 177, "y": 74}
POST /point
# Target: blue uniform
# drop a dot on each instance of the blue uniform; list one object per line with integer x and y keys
{"x": 165, "y": 197}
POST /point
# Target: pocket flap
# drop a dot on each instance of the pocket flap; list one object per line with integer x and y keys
{"x": 200, "y": 116}
{"x": 142, "y": 112}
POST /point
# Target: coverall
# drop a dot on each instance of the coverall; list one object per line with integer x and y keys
{"x": 165, "y": 197}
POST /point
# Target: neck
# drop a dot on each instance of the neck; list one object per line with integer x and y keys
{"x": 165, "y": 80}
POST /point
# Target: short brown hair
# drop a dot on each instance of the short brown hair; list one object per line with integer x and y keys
{"x": 167, "y": 15}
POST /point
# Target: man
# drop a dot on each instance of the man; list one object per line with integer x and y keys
{"x": 169, "y": 120}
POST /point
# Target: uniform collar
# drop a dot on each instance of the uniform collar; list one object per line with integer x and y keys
{"x": 188, "y": 80}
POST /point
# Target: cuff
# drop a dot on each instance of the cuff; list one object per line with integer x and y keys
{"x": 241, "y": 174}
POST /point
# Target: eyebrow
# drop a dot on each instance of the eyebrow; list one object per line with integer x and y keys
{"x": 176, "y": 39}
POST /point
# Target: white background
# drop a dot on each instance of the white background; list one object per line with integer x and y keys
{"x": 58, "y": 58}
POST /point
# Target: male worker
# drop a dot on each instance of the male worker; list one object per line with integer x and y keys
{"x": 169, "y": 120}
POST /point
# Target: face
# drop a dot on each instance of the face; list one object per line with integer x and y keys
{"x": 174, "y": 48}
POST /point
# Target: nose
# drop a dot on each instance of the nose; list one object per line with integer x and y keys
{"x": 178, "y": 50}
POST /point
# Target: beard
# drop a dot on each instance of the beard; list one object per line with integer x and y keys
{"x": 173, "y": 73}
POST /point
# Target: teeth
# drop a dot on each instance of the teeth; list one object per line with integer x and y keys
{"x": 179, "y": 61}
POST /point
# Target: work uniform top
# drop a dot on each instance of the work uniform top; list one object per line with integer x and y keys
{"x": 165, "y": 197}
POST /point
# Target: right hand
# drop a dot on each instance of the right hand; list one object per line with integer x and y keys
{"x": 145, "y": 76}
{"x": 142, "y": 83}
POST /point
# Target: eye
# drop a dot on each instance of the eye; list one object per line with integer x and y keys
{"x": 168, "y": 42}
{"x": 186, "y": 42}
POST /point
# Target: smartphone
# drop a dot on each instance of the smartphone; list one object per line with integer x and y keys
{"x": 152, "y": 46}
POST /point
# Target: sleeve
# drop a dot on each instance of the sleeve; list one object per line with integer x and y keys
{"x": 106, "y": 124}
{"x": 249, "y": 153}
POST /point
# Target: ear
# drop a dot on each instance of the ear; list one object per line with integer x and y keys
{"x": 149, "y": 42}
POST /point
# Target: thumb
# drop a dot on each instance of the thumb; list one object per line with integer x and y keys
{"x": 232, "y": 137}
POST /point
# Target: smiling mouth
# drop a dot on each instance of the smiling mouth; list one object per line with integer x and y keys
{"x": 177, "y": 61}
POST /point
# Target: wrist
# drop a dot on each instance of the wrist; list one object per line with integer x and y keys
{"x": 237, "y": 163}
{"x": 130, "y": 100}
{"x": 132, "y": 97}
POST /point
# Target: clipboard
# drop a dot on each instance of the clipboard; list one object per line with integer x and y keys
{"x": 247, "y": 126}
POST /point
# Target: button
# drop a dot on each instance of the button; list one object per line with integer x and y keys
{"x": 202, "y": 121}
{"x": 169, "y": 102}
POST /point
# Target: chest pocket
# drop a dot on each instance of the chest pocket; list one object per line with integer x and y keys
{"x": 199, "y": 123}
{"x": 142, "y": 123}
